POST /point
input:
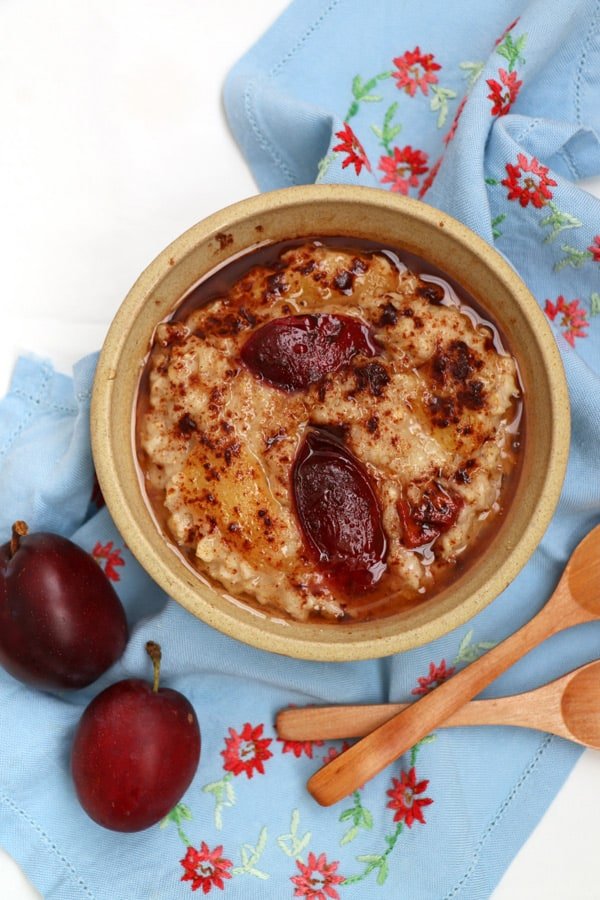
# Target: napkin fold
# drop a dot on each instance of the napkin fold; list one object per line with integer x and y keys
{"x": 486, "y": 111}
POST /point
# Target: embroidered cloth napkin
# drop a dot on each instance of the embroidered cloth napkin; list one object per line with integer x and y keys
{"x": 485, "y": 110}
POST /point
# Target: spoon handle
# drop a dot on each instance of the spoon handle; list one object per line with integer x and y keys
{"x": 539, "y": 709}
{"x": 365, "y": 759}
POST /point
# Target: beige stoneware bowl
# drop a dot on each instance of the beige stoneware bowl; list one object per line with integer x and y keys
{"x": 375, "y": 215}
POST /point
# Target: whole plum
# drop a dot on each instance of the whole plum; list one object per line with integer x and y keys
{"x": 61, "y": 622}
{"x": 135, "y": 752}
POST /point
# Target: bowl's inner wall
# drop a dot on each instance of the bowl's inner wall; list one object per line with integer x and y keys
{"x": 213, "y": 242}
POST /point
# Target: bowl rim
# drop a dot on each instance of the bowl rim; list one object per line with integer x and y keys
{"x": 250, "y": 631}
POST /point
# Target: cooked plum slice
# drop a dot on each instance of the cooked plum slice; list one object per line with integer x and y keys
{"x": 435, "y": 512}
{"x": 339, "y": 512}
{"x": 294, "y": 352}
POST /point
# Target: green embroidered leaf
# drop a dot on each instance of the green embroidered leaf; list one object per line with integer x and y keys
{"x": 258, "y": 874}
{"x": 472, "y": 71}
{"x": 347, "y": 814}
{"x": 349, "y": 835}
{"x": 224, "y": 795}
{"x": 371, "y": 98}
{"x": 512, "y": 50}
{"x": 464, "y": 644}
{"x": 180, "y": 813}
{"x": 496, "y": 233}
{"x": 383, "y": 872}
{"x": 387, "y": 132}
{"x": 370, "y": 858}
{"x": 367, "y": 818}
{"x": 250, "y": 856}
{"x": 557, "y": 221}
{"x": 262, "y": 841}
{"x": 468, "y": 652}
{"x": 573, "y": 257}
{"x": 595, "y": 304}
{"x": 357, "y": 87}
{"x": 439, "y": 101}
{"x": 491, "y": 181}
{"x": 289, "y": 843}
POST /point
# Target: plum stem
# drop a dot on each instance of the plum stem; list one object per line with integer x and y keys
{"x": 153, "y": 651}
{"x": 19, "y": 530}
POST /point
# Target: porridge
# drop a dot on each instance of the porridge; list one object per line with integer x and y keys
{"x": 325, "y": 432}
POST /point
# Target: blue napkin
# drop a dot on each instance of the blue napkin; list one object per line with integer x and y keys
{"x": 488, "y": 112}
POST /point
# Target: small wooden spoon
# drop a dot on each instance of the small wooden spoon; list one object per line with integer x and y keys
{"x": 568, "y": 707}
{"x": 575, "y": 600}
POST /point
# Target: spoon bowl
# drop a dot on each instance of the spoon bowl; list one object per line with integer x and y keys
{"x": 580, "y": 706}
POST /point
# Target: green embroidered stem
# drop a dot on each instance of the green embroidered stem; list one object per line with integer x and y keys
{"x": 362, "y": 92}
{"x": 250, "y": 856}
{"x": 180, "y": 813}
{"x": 472, "y": 71}
{"x": 291, "y": 843}
{"x": 360, "y": 817}
{"x": 496, "y": 233}
{"x": 557, "y": 221}
{"x": 595, "y": 304}
{"x": 223, "y": 794}
{"x": 387, "y": 132}
{"x": 512, "y": 50}
{"x": 377, "y": 861}
{"x": 573, "y": 257}
{"x": 428, "y": 739}
{"x": 439, "y": 102}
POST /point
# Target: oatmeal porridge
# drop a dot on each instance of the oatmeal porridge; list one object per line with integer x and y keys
{"x": 327, "y": 433}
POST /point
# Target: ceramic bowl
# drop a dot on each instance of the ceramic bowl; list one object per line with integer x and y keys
{"x": 363, "y": 213}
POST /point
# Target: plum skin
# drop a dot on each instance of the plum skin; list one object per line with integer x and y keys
{"x": 134, "y": 755}
{"x": 61, "y": 621}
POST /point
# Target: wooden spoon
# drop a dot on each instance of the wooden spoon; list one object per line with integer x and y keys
{"x": 575, "y": 600}
{"x": 568, "y": 707}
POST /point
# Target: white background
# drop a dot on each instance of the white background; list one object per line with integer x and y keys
{"x": 113, "y": 143}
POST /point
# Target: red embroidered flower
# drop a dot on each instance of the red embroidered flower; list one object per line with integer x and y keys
{"x": 113, "y": 559}
{"x": 299, "y": 747}
{"x": 205, "y": 868}
{"x": 503, "y": 93}
{"x": 506, "y": 30}
{"x": 437, "y": 675}
{"x": 452, "y": 131}
{"x": 405, "y": 801}
{"x": 594, "y": 248}
{"x": 573, "y": 319}
{"x": 246, "y": 752}
{"x": 402, "y": 170}
{"x": 415, "y": 70}
{"x": 317, "y": 879}
{"x": 351, "y": 145}
{"x": 528, "y": 190}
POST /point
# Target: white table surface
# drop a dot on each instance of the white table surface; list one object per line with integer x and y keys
{"x": 113, "y": 143}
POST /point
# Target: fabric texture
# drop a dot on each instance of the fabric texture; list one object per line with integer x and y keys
{"x": 494, "y": 122}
